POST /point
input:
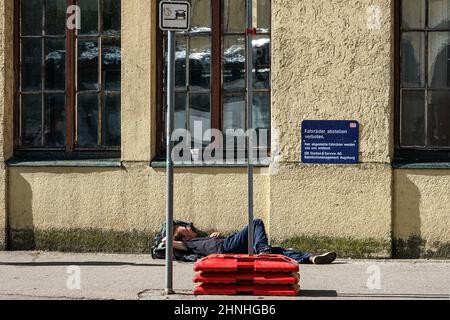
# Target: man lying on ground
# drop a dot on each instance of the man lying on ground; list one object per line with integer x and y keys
{"x": 186, "y": 239}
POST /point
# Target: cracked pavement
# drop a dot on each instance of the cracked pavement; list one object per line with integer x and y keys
{"x": 44, "y": 275}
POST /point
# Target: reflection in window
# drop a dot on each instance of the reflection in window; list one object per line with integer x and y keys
{"x": 45, "y": 85}
{"x": 213, "y": 96}
{"x": 98, "y": 74}
{"x": 234, "y": 65}
{"x": 193, "y": 70}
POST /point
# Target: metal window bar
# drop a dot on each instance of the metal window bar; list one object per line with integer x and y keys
{"x": 71, "y": 63}
{"x": 215, "y": 78}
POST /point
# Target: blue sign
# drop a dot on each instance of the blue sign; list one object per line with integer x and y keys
{"x": 330, "y": 142}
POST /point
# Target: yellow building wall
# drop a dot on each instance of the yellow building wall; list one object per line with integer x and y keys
{"x": 138, "y": 79}
{"x": 6, "y": 98}
{"x": 130, "y": 198}
{"x": 331, "y": 60}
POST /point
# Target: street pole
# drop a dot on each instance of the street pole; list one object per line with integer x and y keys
{"x": 170, "y": 165}
{"x": 250, "y": 136}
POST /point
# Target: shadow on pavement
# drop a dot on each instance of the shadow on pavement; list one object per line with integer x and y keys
{"x": 86, "y": 263}
{"x": 318, "y": 293}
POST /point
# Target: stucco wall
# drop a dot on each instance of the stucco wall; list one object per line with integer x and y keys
{"x": 129, "y": 199}
{"x": 330, "y": 201}
{"x": 327, "y": 64}
{"x": 422, "y": 212}
{"x": 138, "y": 79}
{"x": 6, "y": 91}
{"x": 332, "y": 62}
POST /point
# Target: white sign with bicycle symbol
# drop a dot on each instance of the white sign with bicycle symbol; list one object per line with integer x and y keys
{"x": 175, "y": 15}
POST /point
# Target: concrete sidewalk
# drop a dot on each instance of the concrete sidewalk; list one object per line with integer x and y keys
{"x": 39, "y": 275}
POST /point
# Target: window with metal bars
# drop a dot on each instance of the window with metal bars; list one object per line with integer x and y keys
{"x": 423, "y": 116}
{"x": 68, "y": 80}
{"x": 210, "y": 69}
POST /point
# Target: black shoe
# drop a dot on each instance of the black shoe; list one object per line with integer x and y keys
{"x": 327, "y": 258}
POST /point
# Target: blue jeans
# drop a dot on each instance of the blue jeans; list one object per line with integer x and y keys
{"x": 238, "y": 244}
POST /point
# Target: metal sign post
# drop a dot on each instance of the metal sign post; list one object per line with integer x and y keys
{"x": 250, "y": 137}
{"x": 174, "y": 16}
{"x": 169, "y": 148}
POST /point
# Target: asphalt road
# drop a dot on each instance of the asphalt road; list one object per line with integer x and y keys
{"x": 41, "y": 275}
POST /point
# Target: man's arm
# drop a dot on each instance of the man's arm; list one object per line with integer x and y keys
{"x": 178, "y": 245}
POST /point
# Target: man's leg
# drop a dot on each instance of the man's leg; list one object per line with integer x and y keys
{"x": 238, "y": 243}
{"x": 300, "y": 257}
{"x": 305, "y": 257}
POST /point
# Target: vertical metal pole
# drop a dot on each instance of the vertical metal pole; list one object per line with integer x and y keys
{"x": 170, "y": 166}
{"x": 250, "y": 135}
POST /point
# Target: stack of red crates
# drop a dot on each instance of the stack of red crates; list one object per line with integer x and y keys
{"x": 258, "y": 275}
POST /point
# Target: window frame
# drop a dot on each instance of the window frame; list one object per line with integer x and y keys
{"x": 217, "y": 86}
{"x": 70, "y": 151}
{"x": 413, "y": 154}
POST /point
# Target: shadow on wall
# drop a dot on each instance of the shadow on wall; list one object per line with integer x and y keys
{"x": 410, "y": 238}
{"x": 21, "y": 227}
{"x": 25, "y": 235}
{"x": 407, "y": 227}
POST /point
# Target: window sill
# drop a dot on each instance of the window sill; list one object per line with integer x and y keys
{"x": 162, "y": 164}
{"x": 424, "y": 165}
{"x": 101, "y": 163}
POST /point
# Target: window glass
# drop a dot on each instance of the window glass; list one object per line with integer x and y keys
{"x": 87, "y": 120}
{"x": 262, "y": 14}
{"x": 201, "y": 16}
{"x": 261, "y": 59}
{"x": 45, "y": 84}
{"x": 234, "y": 111}
{"x": 439, "y": 14}
{"x": 439, "y": 118}
{"x": 233, "y": 62}
{"x": 111, "y": 120}
{"x": 31, "y": 59}
{"x": 413, "y": 118}
{"x": 112, "y": 61}
{"x": 199, "y": 112}
{"x": 211, "y": 81}
{"x": 89, "y": 17}
{"x": 261, "y": 111}
{"x": 87, "y": 71}
{"x": 439, "y": 75}
{"x": 111, "y": 17}
{"x": 55, "y": 64}
{"x": 200, "y": 63}
{"x": 413, "y": 59}
{"x": 55, "y": 17}
{"x": 55, "y": 120}
{"x": 413, "y": 14}
{"x": 180, "y": 110}
{"x": 234, "y": 20}
{"x": 31, "y": 17}
{"x": 32, "y": 120}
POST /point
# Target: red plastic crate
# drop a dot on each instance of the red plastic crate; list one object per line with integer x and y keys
{"x": 240, "y": 262}
{"x": 247, "y": 277}
{"x": 255, "y": 290}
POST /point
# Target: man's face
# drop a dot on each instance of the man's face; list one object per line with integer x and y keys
{"x": 187, "y": 234}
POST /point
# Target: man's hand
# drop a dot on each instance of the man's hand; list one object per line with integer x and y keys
{"x": 216, "y": 235}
